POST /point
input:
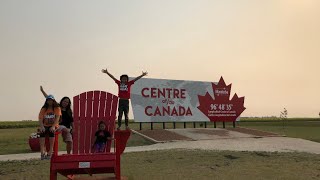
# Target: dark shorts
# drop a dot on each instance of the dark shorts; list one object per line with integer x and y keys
{"x": 123, "y": 106}
{"x": 47, "y": 132}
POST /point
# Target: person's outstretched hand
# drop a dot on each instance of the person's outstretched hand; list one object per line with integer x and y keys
{"x": 144, "y": 73}
{"x": 105, "y": 71}
{"x": 42, "y": 129}
{"x": 52, "y": 129}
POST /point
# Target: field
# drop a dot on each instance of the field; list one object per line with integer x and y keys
{"x": 182, "y": 164}
{"x": 14, "y": 135}
{"x": 15, "y": 140}
{"x": 187, "y": 164}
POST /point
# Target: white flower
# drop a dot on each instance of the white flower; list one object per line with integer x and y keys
{"x": 34, "y": 135}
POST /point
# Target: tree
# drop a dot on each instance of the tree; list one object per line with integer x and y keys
{"x": 283, "y": 116}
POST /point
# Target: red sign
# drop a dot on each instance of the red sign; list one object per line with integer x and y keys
{"x": 220, "y": 108}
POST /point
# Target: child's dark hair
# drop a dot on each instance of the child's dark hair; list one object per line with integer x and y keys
{"x": 124, "y": 76}
{"x": 54, "y": 105}
{"x": 101, "y": 122}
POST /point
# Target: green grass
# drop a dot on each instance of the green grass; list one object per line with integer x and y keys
{"x": 191, "y": 164}
{"x": 300, "y": 129}
{"x": 18, "y": 124}
{"x": 14, "y": 141}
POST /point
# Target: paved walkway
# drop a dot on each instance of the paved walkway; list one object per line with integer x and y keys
{"x": 267, "y": 144}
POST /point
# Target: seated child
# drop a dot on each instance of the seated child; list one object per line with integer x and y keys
{"x": 102, "y": 135}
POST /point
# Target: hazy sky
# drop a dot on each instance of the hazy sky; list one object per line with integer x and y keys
{"x": 269, "y": 50}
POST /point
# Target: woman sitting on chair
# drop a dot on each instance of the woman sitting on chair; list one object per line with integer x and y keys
{"x": 48, "y": 120}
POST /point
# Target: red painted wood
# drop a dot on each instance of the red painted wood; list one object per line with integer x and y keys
{"x": 76, "y": 123}
{"x": 89, "y": 108}
{"x": 89, "y": 128}
{"x": 83, "y": 124}
{"x": 108, "y": 110}
{"x": 56, "y": 143}
{"x": 75, "y": 165}
{"x": 110, "y": 124}
{"x": 114, "y": 109}
{"x": 85, "y": 157}
{"x": 102, "y": 107}
{"x": 94, "y": 123}
{"x": 121, "y": 140}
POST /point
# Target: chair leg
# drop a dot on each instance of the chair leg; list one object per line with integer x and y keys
{"x": 118, "y": 174}
{"x": 53, "y": 175}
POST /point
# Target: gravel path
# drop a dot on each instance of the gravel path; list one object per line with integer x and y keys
{"x": 267, "y": 144}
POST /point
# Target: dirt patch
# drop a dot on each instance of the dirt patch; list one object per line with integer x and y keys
{"x": 198, "y": 134}
{"x": 253, "y": 132}
{"x": 163, "y": 135}
{"x": 216, "y": 132}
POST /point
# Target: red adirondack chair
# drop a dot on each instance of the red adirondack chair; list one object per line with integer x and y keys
{"x": 89, "y": 108}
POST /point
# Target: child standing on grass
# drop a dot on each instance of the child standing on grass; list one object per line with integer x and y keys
{"x": 124, "y": 86}
{"x": 102, "y": 135}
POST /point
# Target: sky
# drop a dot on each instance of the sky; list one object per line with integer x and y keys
{"x": 268, "y": 50}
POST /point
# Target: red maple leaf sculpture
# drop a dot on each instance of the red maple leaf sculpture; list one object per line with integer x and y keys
{"x": 220, "y": 108}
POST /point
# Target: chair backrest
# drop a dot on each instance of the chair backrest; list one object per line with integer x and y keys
{"x": 89, "y": 109}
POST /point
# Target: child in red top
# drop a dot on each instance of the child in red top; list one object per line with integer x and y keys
{"x": 124, "y": 86}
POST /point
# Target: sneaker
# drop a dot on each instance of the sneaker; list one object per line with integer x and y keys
{"x": 118, "y": 128}
{"x": 43, "y": 156}
{"x": 127, "y": 128}
{"x": 48, "y": 157}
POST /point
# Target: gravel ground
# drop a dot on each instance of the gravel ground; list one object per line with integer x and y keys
{"x": 268, "y": 144}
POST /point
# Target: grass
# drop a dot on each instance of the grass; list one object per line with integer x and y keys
{"x": 14, "y": 141}
{"x": 191, "y": 164}
{"x": 183, "y": 164}
{"x": 18, "y": 124}
{"x": 299, "y": 129}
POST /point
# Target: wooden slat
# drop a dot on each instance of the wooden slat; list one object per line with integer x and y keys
{"x": 114, "y": 108}
{"x": 82, "y": 122}
{"x": 107, "y": 111}
{"x": 110, "y": 125}
{"x": 96, "y": 98}
{"x": 93, "y": 165}
{"x": 75, "y": 130}
{"x": 102, "y": 106}
{"x": 85, "y": 157}
{"x": 89, "y": 130}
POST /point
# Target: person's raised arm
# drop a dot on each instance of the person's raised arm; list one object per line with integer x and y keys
{"x": 106, "y": 71}
{"x": 143, "y": 74}
{"x": 43, "y": 92}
